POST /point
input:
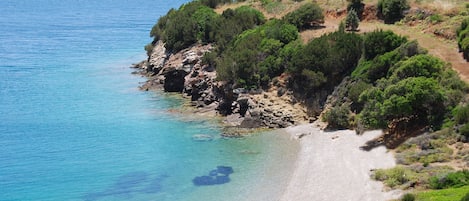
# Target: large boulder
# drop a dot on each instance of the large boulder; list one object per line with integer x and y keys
{"x": 174, "y": 80}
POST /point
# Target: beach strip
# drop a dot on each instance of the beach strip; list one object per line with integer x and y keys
{"x": 332, "y": 167}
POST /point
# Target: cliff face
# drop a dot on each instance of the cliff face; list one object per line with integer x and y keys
{"x": 184, "y": 72}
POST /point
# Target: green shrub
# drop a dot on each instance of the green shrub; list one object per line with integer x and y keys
{"x": 379, "y": 42}
{"x": 393, "y": 177}
{"x": 408, "y": 197}
{"x": 149, "y": 48}
{"x": 392, "y": 10}
{"x": 417, "y": 97}
{"x": 305, "y": 16}
{"x": 333, "y": 56}
{"x": 257, "y": 55}
{"x": 435, "y": 18}
{"x": 453, "y": 179}
{"x": 462, "y": 114}
{"x": 466, "y": 197}
{"x": 338, "y": 117}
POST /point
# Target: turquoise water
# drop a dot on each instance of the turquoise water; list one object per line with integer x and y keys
{"x": 74, "y": 126}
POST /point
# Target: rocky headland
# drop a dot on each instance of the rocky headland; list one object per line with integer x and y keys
{"x": 184, "y": 72}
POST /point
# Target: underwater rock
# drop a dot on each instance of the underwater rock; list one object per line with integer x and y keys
{"x": 215, "y": 177}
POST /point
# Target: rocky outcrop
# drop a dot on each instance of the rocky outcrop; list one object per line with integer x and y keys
{"x": 184, "y": 72}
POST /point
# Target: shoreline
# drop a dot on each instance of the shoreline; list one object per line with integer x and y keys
{"x": 330, "y": 166}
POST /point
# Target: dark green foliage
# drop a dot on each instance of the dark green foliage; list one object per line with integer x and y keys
{"x": 466, "y": 197}
{"x": 355, "y": 90}
{"x": 463, "y": 38}
{"x": 232, "y": 23}
{"x": 356, "y": 5}
{"x": 215, "y": 3}
{"x": 331, "y": 57}
{"x": 194, "y": 22}
{"x": 258, "y": 55}
{"x": 148, "y": 48}
{"x": 418, "y": 98}
{"x": 462, "y": 114}
{"x": 392, "y": 10}
{"x": 411, "y": 88}
{"x": 352, "y": 21}
{"x": 306, "y": 16}
{"x": 464, "y": 131}
{"x": 453, "y": 179}
{"x": 180, "y": 28}
{"x": 408, "y": 197}
{"x": 417, "y": 66}
{"x": 378, "y": 68}
{"x": 209, "y": 58}
{"x": 338, "y": 117}
{"x": 379, "y": 42}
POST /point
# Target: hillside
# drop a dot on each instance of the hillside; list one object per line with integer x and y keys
{"x": 280, "y": 63}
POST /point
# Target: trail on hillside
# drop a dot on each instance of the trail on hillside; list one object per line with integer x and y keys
{"x": 443, "y": 49}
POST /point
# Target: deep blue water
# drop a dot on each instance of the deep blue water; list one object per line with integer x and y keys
{"x": 74, "y": 126}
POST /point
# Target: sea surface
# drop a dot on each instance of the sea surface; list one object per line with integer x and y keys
{"x": 74, "y": 126}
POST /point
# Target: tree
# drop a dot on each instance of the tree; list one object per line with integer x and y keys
{"x": 392, "y": 10}
{"x": 306, "y": 16}
{"x": 352, "y": 20}
{"x": 419, "y": 98}
{"x": 356, "y": 5}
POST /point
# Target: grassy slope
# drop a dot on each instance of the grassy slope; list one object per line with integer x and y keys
{"x": 452, "y": 194}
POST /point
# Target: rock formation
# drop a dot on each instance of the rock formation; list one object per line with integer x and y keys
{"x": 185, "y": 73}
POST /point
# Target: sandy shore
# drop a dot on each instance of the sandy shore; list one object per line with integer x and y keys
{"x": 331, "y": 167}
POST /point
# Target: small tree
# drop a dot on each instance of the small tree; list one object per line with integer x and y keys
{"x": 352, "y": 20}
{"x": 356, "y": 5}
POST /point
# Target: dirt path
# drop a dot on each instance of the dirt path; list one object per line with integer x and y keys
{"x": 443, "y": 49}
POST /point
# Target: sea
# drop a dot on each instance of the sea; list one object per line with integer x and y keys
{"x": 75, "y": 126}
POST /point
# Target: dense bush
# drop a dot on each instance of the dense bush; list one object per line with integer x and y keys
{"x": 194, "y": 22}
{"x": 463, "y": 38}
{"x": 392, "y": 10}
{"x": 408, "y": 197}
{"x": 377, "y": 68}
{"x": 257, "y": 55}
{"x": 232, "y": 23}
{"x": 454, "y": 179}
{"x": 418, "y": 98}
{"x": 327, "y": 59}
{"x": 306, "y": 16}
{"x": 462, "y": 114}
{"x": 338, "y": 117}
{"x": 215, "y": 3}
{"x": 417, "y": 66}
{"x": 379, "y": 42}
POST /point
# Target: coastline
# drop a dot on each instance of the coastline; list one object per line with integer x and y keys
{"x": 330, "y": 166}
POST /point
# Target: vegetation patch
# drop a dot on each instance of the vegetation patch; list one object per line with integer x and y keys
{"x": 451, "y": 194}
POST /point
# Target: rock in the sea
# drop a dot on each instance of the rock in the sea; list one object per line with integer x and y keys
{"x": 251, "y": 122}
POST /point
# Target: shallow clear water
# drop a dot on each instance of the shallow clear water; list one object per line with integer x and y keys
{"x": 74, "y": 126}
